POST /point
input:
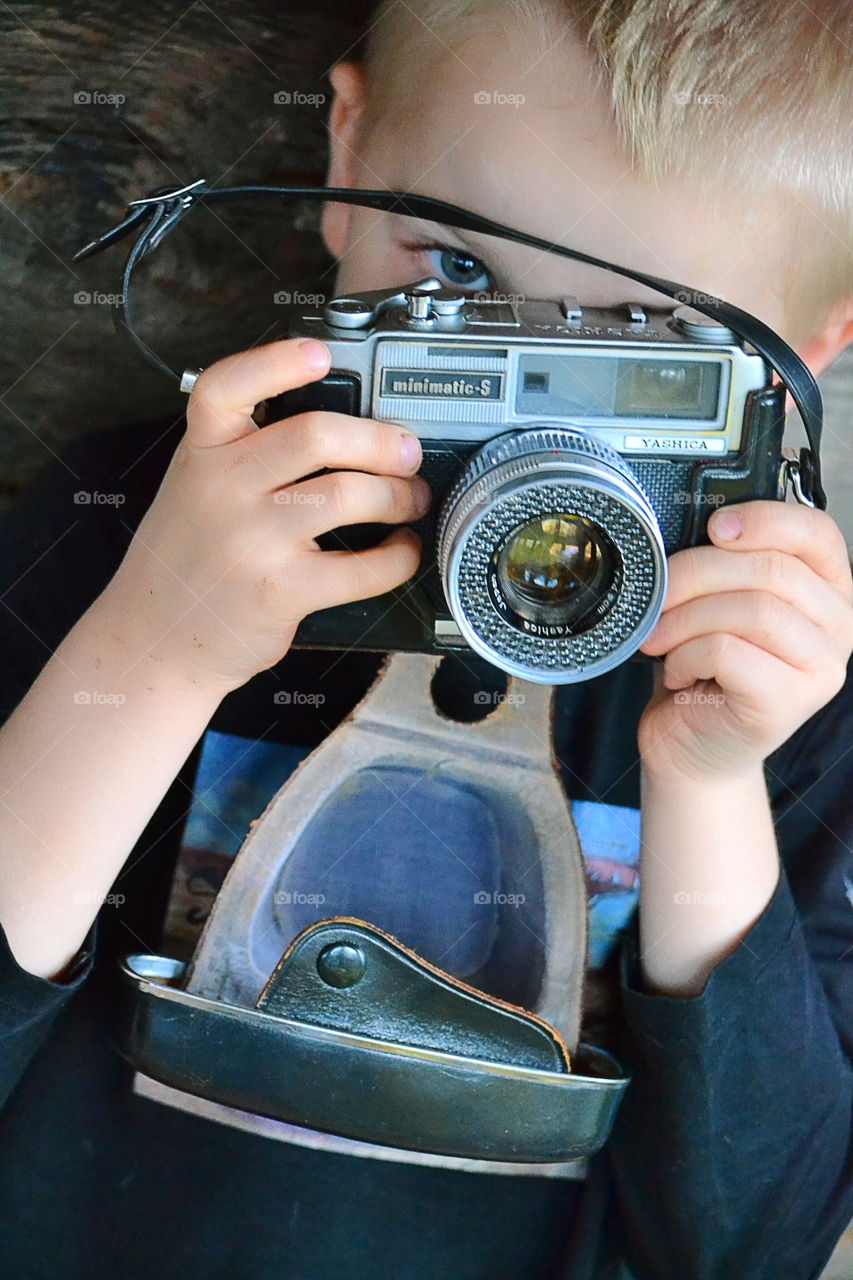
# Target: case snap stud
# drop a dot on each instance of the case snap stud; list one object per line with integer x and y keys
{"x": 340, "y": 964}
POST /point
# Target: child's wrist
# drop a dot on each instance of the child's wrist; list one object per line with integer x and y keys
{"x": 686, "y": 761}
{"x": 126, "y": 646}
{"x": 666, "y": 777}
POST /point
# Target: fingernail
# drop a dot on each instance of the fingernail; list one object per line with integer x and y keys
{"x": 315, "y": 354}
{"x": 727, "y": 524}
{"x": 423, "y": 494}
{"x": 410, "y": 450}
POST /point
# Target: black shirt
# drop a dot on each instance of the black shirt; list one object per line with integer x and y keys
{"x": 729, "y": 1156}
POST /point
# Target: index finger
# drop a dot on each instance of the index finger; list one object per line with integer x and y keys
{"x": 222, "y": 400}
{"x": 805, "y": 532}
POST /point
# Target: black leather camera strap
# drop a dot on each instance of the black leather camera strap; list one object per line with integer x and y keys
{"x": 156, "y": 215}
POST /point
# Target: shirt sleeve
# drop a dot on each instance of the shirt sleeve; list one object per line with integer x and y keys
{"x": 29, "y": 1005}
{"x": 730, "y": 1154}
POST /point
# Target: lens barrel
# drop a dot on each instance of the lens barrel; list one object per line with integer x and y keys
{"x": 551, "y": 556}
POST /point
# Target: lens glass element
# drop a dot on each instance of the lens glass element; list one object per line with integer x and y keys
{"x": 559, "y": 574}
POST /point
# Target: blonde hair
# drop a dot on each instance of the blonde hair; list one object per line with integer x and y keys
{"x": 779, "y": 77}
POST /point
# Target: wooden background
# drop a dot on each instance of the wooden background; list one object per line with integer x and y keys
{"x": 199, "y": 92}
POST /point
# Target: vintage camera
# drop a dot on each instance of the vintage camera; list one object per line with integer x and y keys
{"x": 570, "y": 450}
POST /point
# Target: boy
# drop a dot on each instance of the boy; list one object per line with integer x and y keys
{"x": 730, "y": 1152}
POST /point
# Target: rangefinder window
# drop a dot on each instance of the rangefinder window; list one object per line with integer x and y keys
{"x": 592, "y": 387}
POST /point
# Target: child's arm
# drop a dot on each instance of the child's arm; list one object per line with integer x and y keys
{"x": 80, "y": 780}
{"x": 219, "y": 574}
{"x": 731, "y": 1154}
{"x": 757, "y": 631}
{"x": 700, "y": 890}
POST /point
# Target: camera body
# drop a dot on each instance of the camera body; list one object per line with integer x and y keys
{"x": 569, "y": 451}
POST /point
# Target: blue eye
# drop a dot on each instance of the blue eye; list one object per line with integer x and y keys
{"x": 459, "y": 268}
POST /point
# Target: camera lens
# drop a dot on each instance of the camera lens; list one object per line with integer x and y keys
{"x": 557, "y": 570}
{"x": 551, "y": 557}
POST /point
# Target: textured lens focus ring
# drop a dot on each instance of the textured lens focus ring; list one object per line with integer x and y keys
{"x": 516, "y": 444}
{"x": 517, "y": 456}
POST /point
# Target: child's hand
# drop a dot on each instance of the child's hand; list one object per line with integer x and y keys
{"x": 757, "y": 631}
{"x": 224, "y": 565}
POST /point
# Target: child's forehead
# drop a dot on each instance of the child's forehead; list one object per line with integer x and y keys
{"x": 497, "y": 126}
{"x": 530, "y": 139}
{"x": 555, "y": 178}
{"x": 519, "y": 124}
{"x": 491, "y": 82}
{"x": 498, "y": 154}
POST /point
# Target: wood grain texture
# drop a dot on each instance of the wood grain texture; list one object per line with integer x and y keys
{"x": 198, "y": 85}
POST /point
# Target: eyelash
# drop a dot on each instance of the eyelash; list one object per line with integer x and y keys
{"x": 433, "y": 245}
